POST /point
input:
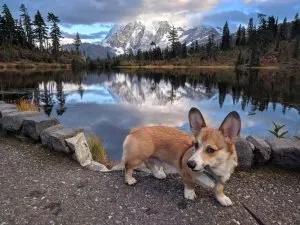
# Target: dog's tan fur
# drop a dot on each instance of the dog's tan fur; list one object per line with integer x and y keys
{"x": 152, "y": 145}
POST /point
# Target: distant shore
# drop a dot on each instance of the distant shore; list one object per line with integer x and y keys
{"x": 195, "y": 67}
{"x": 32, "y": 66}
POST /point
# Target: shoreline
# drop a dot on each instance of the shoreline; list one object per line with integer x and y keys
{"x": 17, "y": 66}
{"x": 197, "y": 67}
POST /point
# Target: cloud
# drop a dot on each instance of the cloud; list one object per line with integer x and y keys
{"x": 96, "y": 35}
{"x": 114, "y": 11}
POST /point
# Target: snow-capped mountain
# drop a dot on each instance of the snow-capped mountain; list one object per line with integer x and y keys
{"x": 136, "y": 35}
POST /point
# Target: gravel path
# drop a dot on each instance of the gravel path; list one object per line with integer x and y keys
{"x": 41, "y": 187}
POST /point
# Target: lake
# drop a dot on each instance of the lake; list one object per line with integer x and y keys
{"x": 112, "y": 103}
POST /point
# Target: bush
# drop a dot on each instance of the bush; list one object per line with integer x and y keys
{"x": 98, "y": 151}
{"x": 26, "y": 105}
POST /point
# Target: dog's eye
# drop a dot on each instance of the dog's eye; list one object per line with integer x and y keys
{"x": 210, "y": 150}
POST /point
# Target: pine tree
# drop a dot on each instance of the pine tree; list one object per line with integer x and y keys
{"x": 183, "y": 50}
{"x": 77, "y": 42}
{"x": 250, "y": 31}
{"x": 55, "y": 33}
{"x": 8, "y": 25}
{"x": 108, "y": 56}
{"x": 296, "y": 52}
{"x": 211, "y": 47}
{"x": 40, "y": 31}
{"x": 173, "y": 38}
{"x": 243, "y": 36}
{"x": 196, "y": 46}
{"x": 139, "y": 55}
{"x": 27, "y": 25}
{"x": 225, "y": 45}
{"x": 283, "y": 30}
{"x": 238, "y": 39}
{"x": 20, "y": 36}
{"x": 296, "y": 27}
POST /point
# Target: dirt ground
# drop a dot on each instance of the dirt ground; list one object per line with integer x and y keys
{"x": 42, "y": 187}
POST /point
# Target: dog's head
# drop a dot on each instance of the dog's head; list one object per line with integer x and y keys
{"x": 215, "y": 146}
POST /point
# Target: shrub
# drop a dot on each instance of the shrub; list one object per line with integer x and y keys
{"x": 26, "y": 105}
{"x": 98, "y": 151}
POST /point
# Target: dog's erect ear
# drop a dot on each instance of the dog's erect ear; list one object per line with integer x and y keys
{"x": 231, "y": 126}
{"x": 196, "y": 121}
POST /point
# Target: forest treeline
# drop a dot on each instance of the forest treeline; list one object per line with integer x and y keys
{"x": 34, "y": 39}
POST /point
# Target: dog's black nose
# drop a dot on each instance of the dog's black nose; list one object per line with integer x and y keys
{"x": 192, "y": 164}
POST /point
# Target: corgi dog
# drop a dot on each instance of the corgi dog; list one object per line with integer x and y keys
{"x": 208, "y": 156}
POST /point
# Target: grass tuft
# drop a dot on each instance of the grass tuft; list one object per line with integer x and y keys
{"x": 98, "y": 151}
{"x": 26, "y": 105}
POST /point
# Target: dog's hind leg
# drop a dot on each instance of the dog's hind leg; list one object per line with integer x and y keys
{"x": 156, "y": 168}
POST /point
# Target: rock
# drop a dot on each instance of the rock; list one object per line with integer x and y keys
{"x": 285, "y": 152}
{"x": 4, "y": 108}
{"x": 79, "y": 145}
{"x": 45, "y": 134}
{"x": 57, "y": 139}
{"x": 95, "y": 166}
{"x": 245, "y": 154}
{"x": 33, "y": 126}
{"x": 5, "y": 112}
{"x": 7, "y": 106}
{"x": 2, "y": 102}
{"x": 13, "y": 122}
{"x": 262, "y": 151}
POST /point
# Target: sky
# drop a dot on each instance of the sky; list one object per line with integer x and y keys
{"x": 94, "y": 18}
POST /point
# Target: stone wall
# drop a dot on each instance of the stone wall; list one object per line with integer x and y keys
{"x": 251, "y": 151}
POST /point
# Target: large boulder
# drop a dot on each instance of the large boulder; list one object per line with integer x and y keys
{"x": 285, "y": 152}
{"x": 45, "y": 134}
{"x": 5, "y": 112}
{"x": 245, "y": 153}
{"x": 4, "y": 108}
{"x": 33, "y": 126}
{"x": 262, "y": 150}
{"x": 13, "y": 122}
{"x": 79, "y": 145}
{"x": 57, "y": 139}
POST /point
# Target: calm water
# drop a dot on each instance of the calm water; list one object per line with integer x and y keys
{"x": 111, "y": 103}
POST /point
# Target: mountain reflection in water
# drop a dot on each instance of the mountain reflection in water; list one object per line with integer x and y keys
{"x": 111, "y": 103}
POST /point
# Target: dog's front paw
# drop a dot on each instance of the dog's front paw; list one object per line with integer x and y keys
{"x": 224, "y": 201}
{"x": 130, "y": 180}
{"x": 189, "y": 194}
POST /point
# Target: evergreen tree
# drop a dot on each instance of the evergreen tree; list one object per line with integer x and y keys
{"x": 211, "y": 47}
{"x": 40, "y": 31}
{"x": 250, "y": 31}
{"x": 8, "y": 26}
{"x": 27, "y": 25}
{"x": 77, "y": 42}
{"x": 108, "y": 55}
{"x": 184, "y": 50}
{"x": 283, "y": 30}
{"x": 196, "y": 46}
{"x": 20, "y": 36}
{"x": 55, "y": 33}
{"x": 296, "y": 52}
{"x": 238, "y": 39}
{"x": 225, "y": 45}
{"x": 139, "y": 55}
{"x": 296, "y": 26}
{"x": 173, "y": 38}
{"x": 243, "y": 36}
